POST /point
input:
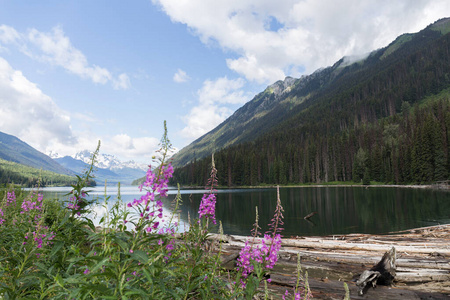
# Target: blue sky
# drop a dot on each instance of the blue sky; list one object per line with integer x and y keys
{"x": 75, "y": 72}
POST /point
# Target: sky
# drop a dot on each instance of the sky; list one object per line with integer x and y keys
{"x": 76, "y": 72}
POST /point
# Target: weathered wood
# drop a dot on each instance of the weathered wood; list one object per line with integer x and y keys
{"x": 422, "y": 264}
{"x": 382, "y": 273}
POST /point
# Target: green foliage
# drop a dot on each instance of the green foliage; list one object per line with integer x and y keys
{"x": 360, "y": 165}
{"x": 52, "y": 250}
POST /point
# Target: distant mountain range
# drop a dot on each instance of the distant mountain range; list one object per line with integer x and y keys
{"x": 14, "y": 150}
{"x": 108, "y": 167}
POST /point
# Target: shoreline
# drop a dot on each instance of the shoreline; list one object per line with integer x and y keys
{"x": 422, "y": 262}
{"x": 411, "y": 186}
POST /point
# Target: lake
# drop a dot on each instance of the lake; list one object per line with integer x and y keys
{"x": 340, "y": 210}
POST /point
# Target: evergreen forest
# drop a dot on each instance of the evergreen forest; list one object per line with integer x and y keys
{"x": 409, "y": 147}
{"x": 385, "y": 119}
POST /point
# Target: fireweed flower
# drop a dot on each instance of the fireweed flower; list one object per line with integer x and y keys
{"x": 207, "y": 207}
{"x": 11, "y": 198}
{"x": 155, "y": 185}
{"x": 266, "y": 253}
{"x": 30, "y": 205}
{"x": 1, "y": 217}
{"x": 77, "y": 203}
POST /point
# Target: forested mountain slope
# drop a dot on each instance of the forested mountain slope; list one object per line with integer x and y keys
{"x": 385, "y": 118}
{"x": 25, "y": 176}
{"x": 14, "y": 150}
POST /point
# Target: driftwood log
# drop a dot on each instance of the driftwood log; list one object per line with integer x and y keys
{"x": 421, "y": 265}
{"x": 310, "y": 215}
{"x": 382, "y": 273}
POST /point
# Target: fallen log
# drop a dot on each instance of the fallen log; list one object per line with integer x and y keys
{"x": 422, "y": 262}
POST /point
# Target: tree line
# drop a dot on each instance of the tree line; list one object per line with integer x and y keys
{"x": 409, "y": 147}
{"x": 25, "y": 176}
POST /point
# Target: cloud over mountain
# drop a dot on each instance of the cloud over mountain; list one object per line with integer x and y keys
{"x": 273, "y": 39}
{"x": 212, "y": 108}
{"x": 30, "y": 114}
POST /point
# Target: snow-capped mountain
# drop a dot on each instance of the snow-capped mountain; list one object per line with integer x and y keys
{"x": 108, "y": 167}
{"x": 108, "y": 161}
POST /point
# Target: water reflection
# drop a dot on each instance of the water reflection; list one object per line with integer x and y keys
{"x": 339, "y": 209}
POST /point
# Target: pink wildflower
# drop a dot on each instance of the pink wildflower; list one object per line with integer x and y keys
{"x": 11, "y": 198}
{"x": 207, "y": 207}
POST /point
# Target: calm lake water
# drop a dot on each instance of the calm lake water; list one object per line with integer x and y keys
{"x": 339, "y": 210}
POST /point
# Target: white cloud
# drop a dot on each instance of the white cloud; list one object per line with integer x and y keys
{"x": 122, "y": 82}
{"x": 125, "y": 146}
{"x": 55, "y": 47}
{"x": 276, "y": 38}
{"x": 180, "y": 76}
{"x": 222, "y": 90}
{"x": 212, "y": 109}
{"x": 8, "y": 35}
{"x": 29, "y": 114}
{"x": 26, "y": 112}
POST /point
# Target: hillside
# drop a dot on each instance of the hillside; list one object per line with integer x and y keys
{"x": 26, "y": 176}
{"x": 14, "y": 150}
{"x": 407, "y": 69}
{"x": 311, "y": 129}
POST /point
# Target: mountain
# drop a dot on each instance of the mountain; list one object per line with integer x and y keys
{"x": 26, "y": 176}
{"x": 14, "y": 150}
{"x": 108, "y": 167}
{"x": 108, "y": 161}
{"x": 311, "y": 128}
{"x": 288, "y": 99}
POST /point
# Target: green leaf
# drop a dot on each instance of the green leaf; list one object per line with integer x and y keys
{"x": 100, "y": 264}
{"x": 57, "y": 245}
{"x": 121, "y": 243}
{"x": 140, "y": 255}
{"x": 59, "y": 280}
